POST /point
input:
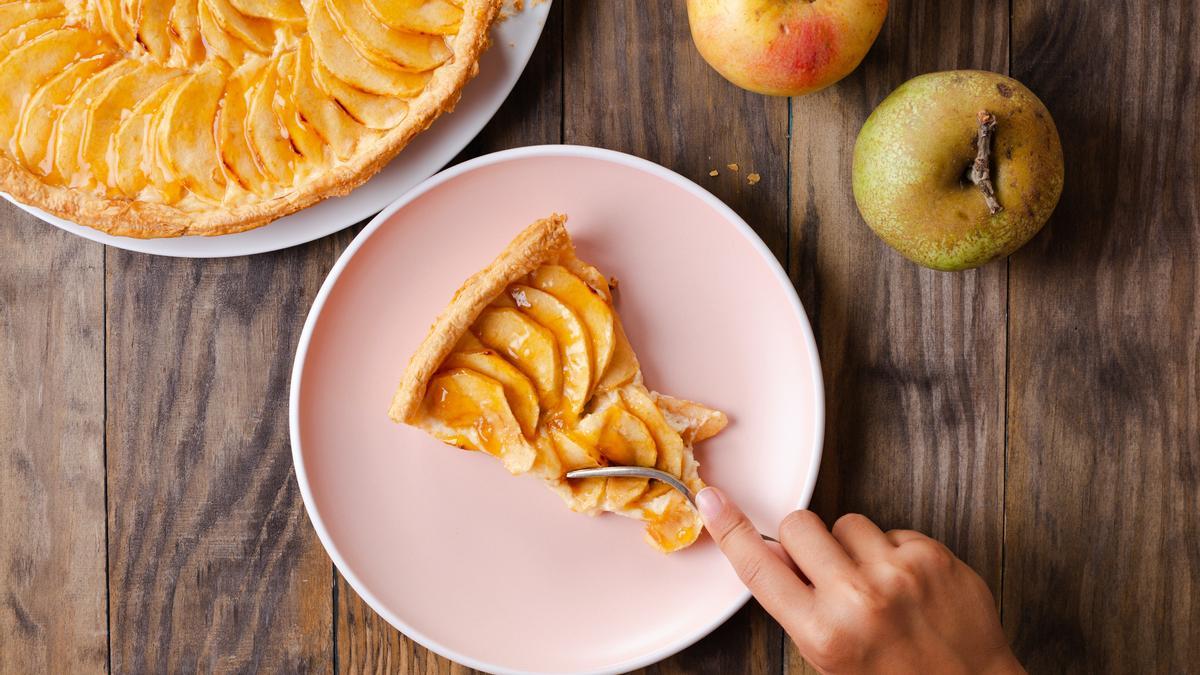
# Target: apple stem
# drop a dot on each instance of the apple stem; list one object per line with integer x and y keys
{"x": 981, "y": 172}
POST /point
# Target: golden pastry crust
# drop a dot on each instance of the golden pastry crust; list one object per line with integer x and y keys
{"x": 144, "y": 219}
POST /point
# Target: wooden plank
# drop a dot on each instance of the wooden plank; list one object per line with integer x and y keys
{"x": 532, "y": 115}
{"x": 52, "y": 568}
{"x": 213, "y": 565}
{"x": 913, "y": 359}
{"x": 636, "y": 83}
{"x": 1102, "y": 572}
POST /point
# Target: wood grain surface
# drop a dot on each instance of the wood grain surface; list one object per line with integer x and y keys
{"x": 1040, "y": 415}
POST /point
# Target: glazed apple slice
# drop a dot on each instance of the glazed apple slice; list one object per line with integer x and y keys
{"x": 283, "y": 11}
{"x": 666, "y": 439}
{"x": 107, "y": 111}
{"x": 68, "y": 133}
{"x": 16, "y": 14}
{"x": 329, "y": 119}
{"x": 267, "y": 140}
{"x": 300, "y": 133}
{"x": 471, "y": 412}
{"x": 185, "y": 135}
{"x": 217, "y": 40}
{"x": 26, "y": 32}
{"x": 521, "y": 395}
{"x": 32, "y": 65}
{"x": 129, "y": 152}
{"x": 115, "y": 22}
{"x": 597, "y": 316}
{"x": 370, "y": 110}
{"x": 529, "y": 347}
{"x": 438, "y": 17}
{"x": 35, "y": 136}
{"x": 258, "y": 34}
{"x": 236, "y": 156}
{"x": 152, "y": 30}
{"x": 573, "y": 345}
{"x": 410, "y": 51}
{"x": 184, "y": 29}
{"x": 341, "y": 58}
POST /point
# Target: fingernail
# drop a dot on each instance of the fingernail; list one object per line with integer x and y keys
{"x": 710, "y": 502}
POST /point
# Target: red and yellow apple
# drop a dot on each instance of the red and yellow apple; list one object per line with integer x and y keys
{"x": 785, "y": 47}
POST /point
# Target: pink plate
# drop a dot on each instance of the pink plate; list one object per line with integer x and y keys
{"x": 492, "y": 570}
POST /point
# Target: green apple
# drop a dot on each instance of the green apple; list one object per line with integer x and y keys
{"x": 958, "y": 168}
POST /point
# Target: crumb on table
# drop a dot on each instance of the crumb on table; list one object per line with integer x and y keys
{"x": 752, "y": 178}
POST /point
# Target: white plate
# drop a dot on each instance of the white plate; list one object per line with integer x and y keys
{"x": 513, "y": 41}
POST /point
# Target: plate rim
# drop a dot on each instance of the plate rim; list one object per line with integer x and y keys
{"x": 536, "y": 14}
{"x": 444, "y": 176}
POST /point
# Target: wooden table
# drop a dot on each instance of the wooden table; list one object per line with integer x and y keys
{"x": 1039, "y": 415}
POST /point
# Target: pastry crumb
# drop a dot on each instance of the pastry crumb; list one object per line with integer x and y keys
{"x": 613, "y": 282}
{"x": 733, "y": 166}
{"x": 752, "y": 178}
{"x": 714, "y": 172}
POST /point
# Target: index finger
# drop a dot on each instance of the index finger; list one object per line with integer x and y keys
{"x": 775, "y": 585}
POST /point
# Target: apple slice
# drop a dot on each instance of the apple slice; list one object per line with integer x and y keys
{"x": 340, "y": 57}
{"x": 152, "y": 30}
{"x": 217, "y": 40}
{"x": 116, "y": 23}
{"x": 669, "y": 444}
{"x": 16, "y": 14}
{"x": 422, "y": 16}
{"x": 26, "y": 32}
{"x": 619, "y": 436}
{"x": 107, "y": 111}
{"x": 529, "y": 347}
{"x": 33, "y": 64}
{"x": 68, "y": 134}
{"x": 236, "y": 157}
{"x": 267, "y": 138}
{"x": 411, "y": 51}
{"x": 35, "y": 136}
{"x": 304, "y": 139}
{"x": 624, "y": 364}
{"x": 370, "y": 110}
{"x": 258, "y": 34}
{"x": 574, "y": 347}
{"x": 283, "y": 11}
{"x": 330, "y": 120}
{"x": 184, "y": 28}
{"x": 597, "y": 316}
{"x": 583, "y": 494}
{"x": 187, "y": 143}
{"x": 129, "y": 154}
{"x": 467, "y": 409}
{"x": 519, "y": 391}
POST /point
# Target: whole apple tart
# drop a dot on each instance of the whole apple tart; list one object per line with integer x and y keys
{"x": 161, "y": 118}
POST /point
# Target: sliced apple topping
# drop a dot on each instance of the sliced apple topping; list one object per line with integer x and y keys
{"x": 184, "y": 29}
{"x": 474, "y": 414}
{"x": 258, "y": 34}
{"x": 185, "y": 135}
{"x": 104, "y": 116}
{"x": 340, "y": 57}
{"x": 520, "y": 392}
{"x": 26, "y": 32}
{"x": 438, "y": 17}
{"x": 237, "y": 158}
{"x": 33, "y": 64}
{"x": 370, "y": 110}
{"x": 587, "y": 304}
{"x": 574, "y": 347}
{"x": 153, "y": 32}
{"x": 326, "y": 116}
{"x": 666, "y": 439}
{"x": 284, "y": 11}
{"x": 268, "y": 139}
{"x": 217, "y": 40}
{"x": 35, "y": 135}
{"x": 377, "y": 41}
{"x": 16, "y": 14}
{"x": 528, "y": 345}
{"x": 71, "y": 127}
{"x": 304, "y": 139}
{"x": 130, "y": 152}
{"x": 116, "y": 22}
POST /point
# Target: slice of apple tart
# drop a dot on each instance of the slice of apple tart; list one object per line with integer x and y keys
{"x": 529, "y": 363}
{"x": 158, "y": 118}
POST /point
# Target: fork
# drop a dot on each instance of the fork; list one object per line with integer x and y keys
{"x": 643, "y": 472}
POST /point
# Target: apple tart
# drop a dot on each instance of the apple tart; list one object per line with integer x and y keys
{"x": 160, "y": 118}
{"x": 529, "y": 363}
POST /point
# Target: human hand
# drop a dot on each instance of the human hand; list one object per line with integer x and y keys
{"x": 864, "y": 601}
